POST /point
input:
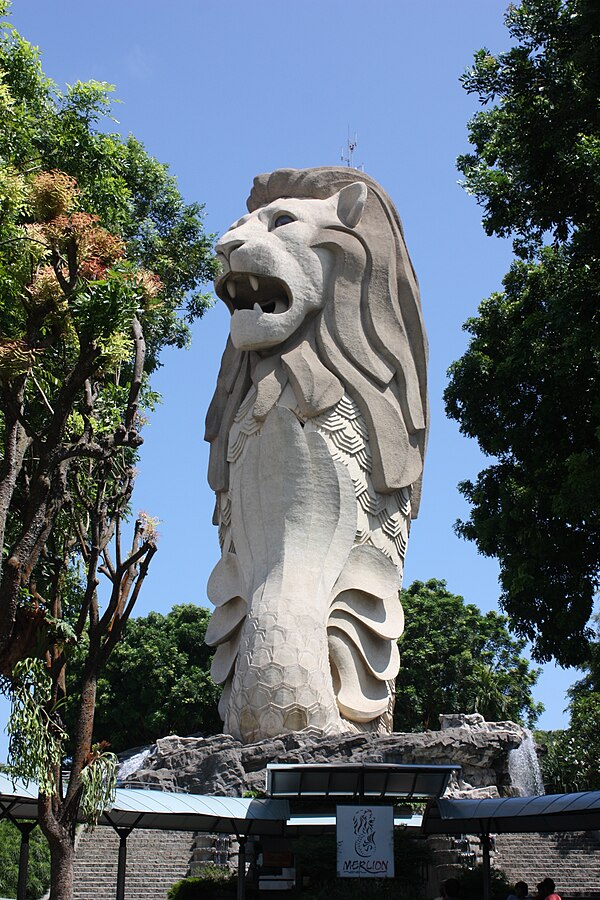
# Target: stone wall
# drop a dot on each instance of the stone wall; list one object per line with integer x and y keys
{"x": 570, "y": 859}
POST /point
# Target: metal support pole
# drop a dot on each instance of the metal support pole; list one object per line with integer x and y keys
{"x": 487, "y": 882}
{"x": 122, "y": 865}
{"x": 25, "y": 828}
{"x": 121, "y": 869}
{"x": 241, "y": 879}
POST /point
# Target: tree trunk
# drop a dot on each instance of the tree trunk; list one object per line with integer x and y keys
{"x": 57, "y": 816}
{"x": 16, "y": 443}
{"x": 61, "y": 841}
{"x": 62, "y": 859}
{"x": 82, "y": 742}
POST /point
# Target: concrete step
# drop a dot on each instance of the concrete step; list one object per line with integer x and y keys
{"x": 155, "y": 861}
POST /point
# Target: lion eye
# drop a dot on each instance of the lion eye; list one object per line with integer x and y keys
{"x": 285, "y": 219}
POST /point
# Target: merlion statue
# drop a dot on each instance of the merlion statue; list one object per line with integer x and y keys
{"x": 318, "y": 429}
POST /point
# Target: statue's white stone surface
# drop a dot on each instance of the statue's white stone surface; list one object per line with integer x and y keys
{"x": 318, "y": 429}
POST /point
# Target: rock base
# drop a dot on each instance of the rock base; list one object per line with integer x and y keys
{"x": 222, "y": 766}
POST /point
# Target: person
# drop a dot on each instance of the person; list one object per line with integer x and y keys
{"x": 521, "y": 892}
{"x": 549, "y": 890}
{"x": 451, "y": 889}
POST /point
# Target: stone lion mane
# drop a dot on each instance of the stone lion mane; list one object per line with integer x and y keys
{"x": 368, "y": 339}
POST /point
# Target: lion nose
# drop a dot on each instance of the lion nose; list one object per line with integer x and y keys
{"x": 226, "y": 247}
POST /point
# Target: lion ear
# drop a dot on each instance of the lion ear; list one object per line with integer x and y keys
{"x": 351, "y": 203}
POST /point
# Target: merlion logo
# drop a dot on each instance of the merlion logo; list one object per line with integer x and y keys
{"x": 364, "y": 828}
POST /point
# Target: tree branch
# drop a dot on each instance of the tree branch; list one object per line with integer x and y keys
{"x": 44, "y": 398}
{"x": 137, "y": 375}
{"x": 118, "y": 625}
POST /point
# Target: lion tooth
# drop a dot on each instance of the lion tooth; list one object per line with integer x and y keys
{"x": 254, "y": 282}
{"x": 231, "y": 289}
{"x": 257, "y": 308}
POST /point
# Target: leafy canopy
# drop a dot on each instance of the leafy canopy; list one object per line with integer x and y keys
{"x": 571, "y": 759}
{"x": 527, "y": 387}
{"x": 456, "y": 659}
{"x": 535, "y": 163}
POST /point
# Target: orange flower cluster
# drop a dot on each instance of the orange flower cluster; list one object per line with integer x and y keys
{"x": 16, "y": 357}
{"x": 45, "y": 287}
{"x": 149, "y": 283}
{"x": 52, "y": 194}
{"x": 90, "y": 238}
{"x": 97, "y": 248}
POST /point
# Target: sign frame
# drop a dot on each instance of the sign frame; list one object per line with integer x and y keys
{"x": 365, "y": 841}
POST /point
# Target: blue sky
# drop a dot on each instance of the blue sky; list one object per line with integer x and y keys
{"x": 224, "y": 90}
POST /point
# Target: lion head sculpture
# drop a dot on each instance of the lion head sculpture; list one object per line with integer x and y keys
{"x": 345, "y": 282}
{"x": 325, "y": 365}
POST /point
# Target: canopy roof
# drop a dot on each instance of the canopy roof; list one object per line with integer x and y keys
{"x": 357, "y": 780}
{"x": 134, "y": 808}
{"x": 17, "y": 799}
{"x": 552, "y": 812}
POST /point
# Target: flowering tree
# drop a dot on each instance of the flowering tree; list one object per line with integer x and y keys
{"x": 99, "y": 258}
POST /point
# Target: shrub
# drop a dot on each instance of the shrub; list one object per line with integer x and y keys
{"x": 214, "y": 883}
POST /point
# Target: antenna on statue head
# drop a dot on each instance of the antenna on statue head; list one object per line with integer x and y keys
{"x": 348, "y": 152}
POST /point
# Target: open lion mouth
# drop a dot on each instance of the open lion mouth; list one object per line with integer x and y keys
{"x": 262, "y": 293}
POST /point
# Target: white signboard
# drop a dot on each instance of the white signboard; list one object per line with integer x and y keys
{"x": 365, "y": 841}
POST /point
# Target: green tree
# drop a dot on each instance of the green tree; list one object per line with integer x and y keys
{"x": 570, "y": 758}
{"x": 38, "y": 878}
{"x": 101, "y": 267}
{"x": 456, "y": 659}
{"x": 582, "y": 742}
{"x": 165, "y": 664}
{"x": 590, "y": 682}
{"x": 570, "y": 762}
{"x": 527, "y": 386}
